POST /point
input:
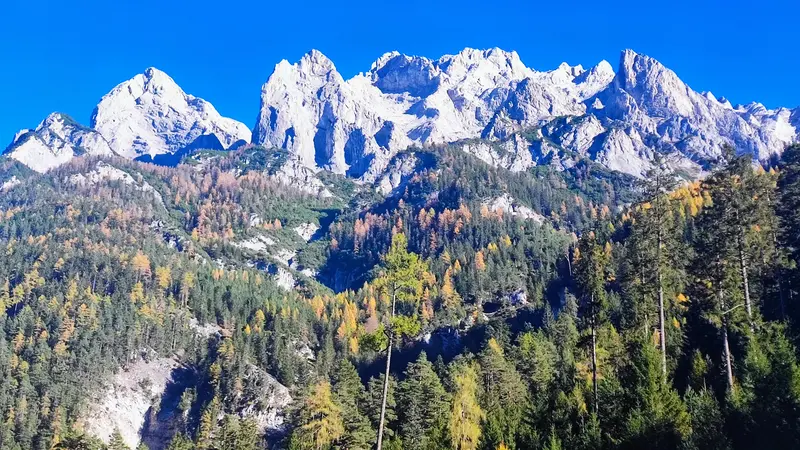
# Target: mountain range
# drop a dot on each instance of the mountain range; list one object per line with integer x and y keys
{"x": 485, "y": 102}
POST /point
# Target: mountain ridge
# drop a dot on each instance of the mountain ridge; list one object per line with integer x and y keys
{"x": 355, "y": 126}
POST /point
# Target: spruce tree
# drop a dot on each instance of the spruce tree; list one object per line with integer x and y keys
{"x": 348, "y": 394}
{"x": 590, "y": 277}
{"x": 655, "y": 246}
{"x": 423, "y": 404}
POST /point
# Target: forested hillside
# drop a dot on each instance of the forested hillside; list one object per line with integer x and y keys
{"x": 468, "y": 308}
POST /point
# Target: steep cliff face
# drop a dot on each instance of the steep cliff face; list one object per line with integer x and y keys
{"x": 355, "y": 126}
{"x": 620, "y": 119}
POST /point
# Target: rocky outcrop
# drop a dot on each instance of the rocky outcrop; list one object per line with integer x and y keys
{"x": 262, "y": 399}
{"x": 127, "y": 399}
{"x": 506, "y": 204}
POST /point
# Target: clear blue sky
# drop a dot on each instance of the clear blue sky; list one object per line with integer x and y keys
{"x": 62, "y": 55}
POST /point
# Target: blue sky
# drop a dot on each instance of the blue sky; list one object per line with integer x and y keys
{"x": 64, "y": 55}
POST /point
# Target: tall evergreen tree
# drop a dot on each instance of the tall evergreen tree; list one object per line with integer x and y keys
{"x": 423, "y": 405}
{"x": 656, "y": 243}
{"x": 503, "y": 397}
{"x": 590, "y": 277}
{"x": 788, "y": 210}
{"x": 349, "y": 394}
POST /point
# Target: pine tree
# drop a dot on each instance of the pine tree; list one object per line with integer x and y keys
{"x": 423, "y": 404}
{"x": 374, "y": 400}
{"x": 708, "y": 424}
{"x": 721, "y": 244}
{"x": 181, "y": 442}
{"x": 788, "y": 210}
{"x": 348, "y": 394}
{"x": 590, "y": 277}
{"x": 656, "y": 416}
{"x": 503, "y": 398}
{"x": 117, "y": 442}
{"x": 655, "y": 242}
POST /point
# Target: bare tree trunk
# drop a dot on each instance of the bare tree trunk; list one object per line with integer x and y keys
{"x": 728, "y": 368}
{"x": 386, "y": 376}
{"x": 643, "y": 281}
{"x": 663, "y": 331}
{"x": 726, "y": 346}
{"x": 661, "y": 327}
{"x": 569, "y": 263}
{"x": 745, "y": 283}
{"x": 594, "y": 359}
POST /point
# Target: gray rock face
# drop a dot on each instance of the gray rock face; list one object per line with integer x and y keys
{"x": 151, "y": 115}
{"x": 148, "y": 115}
{"x": 620, "y": 119}
{"x": 54, "y": 142}
{"x": 655, "y": 107}
{"x": 264, "y": 399}
{"x": 355, "y": 126}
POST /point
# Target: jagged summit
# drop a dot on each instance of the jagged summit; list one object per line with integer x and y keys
{"x": 151, "y": 115}
{"x": 355, "y": 126}
{"x": 148, "y": 115}
{"x": 56, "y": 140}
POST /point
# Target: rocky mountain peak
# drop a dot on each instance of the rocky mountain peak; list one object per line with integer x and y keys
{"x": 314, "y": 62}
{"x": 355, "y": 127}
{"x": 56, "y": 140}
{"x": 151, "y": 115}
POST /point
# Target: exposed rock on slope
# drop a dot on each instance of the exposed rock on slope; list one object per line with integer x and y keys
{"x": 151, "y": 115}
{"x": 54, "y": 142}
{"x": 128, "y": 398}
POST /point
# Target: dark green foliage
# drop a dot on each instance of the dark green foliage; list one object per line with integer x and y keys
{"x": 349, "y": 394}
{"x": 101, "y": 274}
{"x": 424, "y": 405}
